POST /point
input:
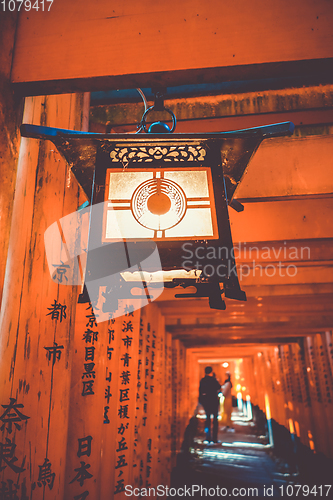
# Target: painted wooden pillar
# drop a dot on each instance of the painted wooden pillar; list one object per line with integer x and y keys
{"x": 295, "y": 402}
{"x": 260, "y": 380}
{"x": 267, "y": 383}
{"x": 183, "y": 394}
{"x": 157, "y": 363}
{"x": 250, "y": 379}
{"x": 147, "y": 401}
{"x": 326, "y": 387}
{"x": 37, "y": 314}
{"x": 165, "y": 445}
{"x": 126, "y": 402}
{"x": 179, "y": 405}
{"x": 327, "y": 339}
{"x": 11, "y": 107}
{"x": 193, "y": 380}
{"x": 329, "y": 346}
{"x": 167, "y": 402}
{"x": 85, "y": 405}
{"x": 303, "y": 419}
{"x": 280, "y": 415}
{"x": 319, "y": 417}
{"x": 175, "y": 426}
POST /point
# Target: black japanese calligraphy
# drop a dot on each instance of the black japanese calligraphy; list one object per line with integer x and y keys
{"x": 108, "y": 376}
{"x": 121, "y": 461}
{"x": 123, "y": 395}
{"x": 61, "y": 271}
{"x": 89, "y": 354}
{"x": 111, "y": 335}
{"x": 120, "y": 486}
{"x": 125, "y": 377}
{"x": 82, "y": 473}
{"x": 107, "y": 395}
{"x": 45, "y": 476}
{"x": 106, "y": 417}
{"x": 122, "y": 428}
{"x": 7, "y": 457}
{"x": 84, "y": 447}
{"x": 89, "y": 370}
{"x": 54, "y": 352}
{"x": 88, "y": 387}
{"x": 122, "y": 445}
{"x": 127, "y": 326}
{"x": 91, "y": 320}
{"x": 8, "y": 490}
{"x": 57, "y": 311}
{"x": 90, "y": 337}
{"x": 123, "y": 411}
{"x": 12, "y": 415}
{"x": 127, "y": 341}
{"x": 126, "y": 358}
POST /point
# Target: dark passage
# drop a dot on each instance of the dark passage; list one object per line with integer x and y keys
{"x": 244, "y": 464}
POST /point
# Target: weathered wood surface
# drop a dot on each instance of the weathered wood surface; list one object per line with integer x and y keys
{"x": 289, "y": 219}
{"x": 300, "y": 103}
{"x": 286, "y": 168}
{"x": 11, "y": 108}
{"x": 45, "y": 191}
{"x": 82, "y": 45}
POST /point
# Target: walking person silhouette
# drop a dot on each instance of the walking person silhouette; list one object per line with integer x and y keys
{"x": 208, "y": 397}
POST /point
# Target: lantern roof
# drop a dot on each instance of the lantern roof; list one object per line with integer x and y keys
{"x": 80, "y": 148}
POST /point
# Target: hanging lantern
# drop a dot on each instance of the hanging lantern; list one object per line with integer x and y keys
{"x": 161, "y": 191}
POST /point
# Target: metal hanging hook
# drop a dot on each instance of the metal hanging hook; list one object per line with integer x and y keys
{"x": 158, "y": 127}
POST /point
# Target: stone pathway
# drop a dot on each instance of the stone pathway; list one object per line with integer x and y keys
{"x": 241, "y": 465}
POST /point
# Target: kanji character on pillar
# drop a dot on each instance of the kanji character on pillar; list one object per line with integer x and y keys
{"x": 57, "y": 311}
{"x": 125, "y": 377}
{"x": 12, "y": 415}
{"x": 127, "y": 341}
{"x": 122, "y": 445}
{"x": 9, "y": 492}
{"x": 127, "y": 326}
{"x": 84, "y": 447}
{"x": 123, "y": 411}
{"x": 126, "y": 357}
{"x": 7, "y": 457}
{"x": 82, "y": 473}
{"x": 45, "y": 475}
{"x": 120, "y": 486}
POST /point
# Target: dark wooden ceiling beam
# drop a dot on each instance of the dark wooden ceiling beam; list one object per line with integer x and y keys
{"x": 129, "y": 44}
{"x": 305, "y": 105}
